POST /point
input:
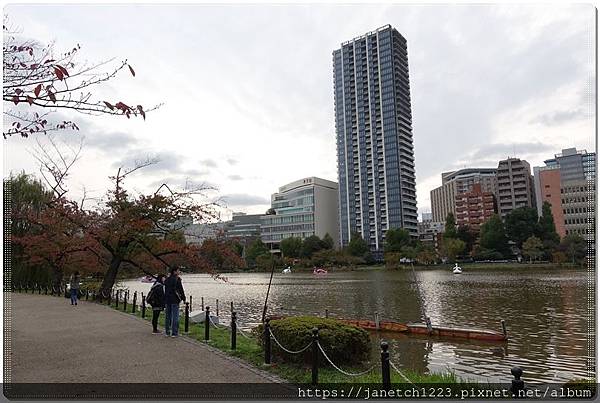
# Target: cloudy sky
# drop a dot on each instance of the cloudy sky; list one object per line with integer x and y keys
{"x": 247, "y": 90}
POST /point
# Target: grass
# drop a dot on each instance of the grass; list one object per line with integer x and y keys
{"x": 249, "y": 350}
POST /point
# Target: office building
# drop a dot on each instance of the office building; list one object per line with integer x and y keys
{"x": 373, "y": 122}
{"x": 567, "y": 182}
{"x": 515, "y": 185}
{"x": 547, "y": 183}
{"x": 301, "y": 209}
{"x": 443, "y": 198}
{"x": 474, "y": 207}
{"x": 243, "y": 227}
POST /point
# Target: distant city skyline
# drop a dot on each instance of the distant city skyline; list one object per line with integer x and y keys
{"x": 247, "y": 115}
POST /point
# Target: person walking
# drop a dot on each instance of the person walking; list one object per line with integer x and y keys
{"x": 174, "y": 294}
{"x": 74, "y": 286}
{"x": 156, "y": 299}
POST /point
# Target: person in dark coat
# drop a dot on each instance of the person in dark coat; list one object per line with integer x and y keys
{"x": 174, "y": 294}
{"x": 157, "y": 300}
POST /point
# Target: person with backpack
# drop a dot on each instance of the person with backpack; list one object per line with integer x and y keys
{"x": 174, "y": 294}
{"x": 156, "y": 299}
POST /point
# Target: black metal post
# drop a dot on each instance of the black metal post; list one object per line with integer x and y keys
{"x": 134, "y": 302}
{"x": 186, "y": 322}
{"x": 315, "y": 356}
{"x": 503, "y": 323}
{"x": 385, "y": 366}
{"x": 202, "y": 298}
{"x": 517, "y": 384}
{"x": 110, "y": 292}
{"x": 117, "y": 298}
{"x": 191, "y": 304}
{"x": 39, "y": 289}
{"x": 267, "y": 340}
{"x": 326, "y": 313}
{"x": 207, "y": 324}
{"x": 143, "y": 306}
{"x": 125, "y": 298}
{"x": 233, "y": 330}
{"x": 231, "y": 307}
{"x": 87, "y": 295}
{"x": 217, "y": 307}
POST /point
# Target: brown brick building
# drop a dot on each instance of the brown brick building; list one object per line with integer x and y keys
{"x": 475, "y": 207}
{"x": 550, "y": 191}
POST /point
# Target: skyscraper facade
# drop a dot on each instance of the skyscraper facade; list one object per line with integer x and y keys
{"x": 373, "y": 121}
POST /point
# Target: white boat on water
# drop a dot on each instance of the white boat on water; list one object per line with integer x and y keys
{"x": 456, "y": 269}
{"x": 200, "y": 317}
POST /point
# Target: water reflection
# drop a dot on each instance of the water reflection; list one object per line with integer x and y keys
{"x": 545, "y": 313}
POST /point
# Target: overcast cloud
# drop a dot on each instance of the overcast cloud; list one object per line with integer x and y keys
{"x": 248, "y": 94}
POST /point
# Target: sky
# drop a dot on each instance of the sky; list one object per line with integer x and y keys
{"x": 246, "y": 91}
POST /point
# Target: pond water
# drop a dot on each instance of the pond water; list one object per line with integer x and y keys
{"x": 546, "y": 312}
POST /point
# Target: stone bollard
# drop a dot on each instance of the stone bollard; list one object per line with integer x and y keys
{"x": 385, "y": 366}
{"x": 186, "y": 320}
{"x": 233, "y": 330}
{"x": 207, "y": 324}
{"x": 133, "y": 305}
{"x": 518, "y": 384}
{"x": 315, "y": 356}
{"x": 143, "y": 306}
{"x": 267, "y": 341}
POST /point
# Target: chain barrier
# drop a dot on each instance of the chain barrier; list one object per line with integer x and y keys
{"x": 400, "y": 372}
{"x": 215, "y": 325}
{"x": 285, "y": 349}
{"x": 341, "y": 370}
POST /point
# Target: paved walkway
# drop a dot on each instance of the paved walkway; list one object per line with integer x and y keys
{"x": 53, "y": 341}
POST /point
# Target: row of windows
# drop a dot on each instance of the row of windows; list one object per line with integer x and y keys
{"x": 279, "y": 237}
{"x": 578, "y": 210}
{"x": 575, "y": 200}
{"x": 287, "y": 219}
{"x": 576, "y": 221}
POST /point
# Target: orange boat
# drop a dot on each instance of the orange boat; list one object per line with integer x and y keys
{"x": 371, "y": 325}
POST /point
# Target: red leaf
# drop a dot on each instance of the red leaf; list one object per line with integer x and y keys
{"x": 37, "y": 90}
{"x": 51, "y": 95}
{"x": 29, "y": 99}
{"x": 59, "y": 73}
{"x": 63, "y": 70}
{"x": 108, "y": 105}
{"x": 49, "y": 61}
{"x": 131, "y": 69}
{"x": 15, "y": 99}
{"x": 139, "y": 107}
{"x": 18, "y": 91}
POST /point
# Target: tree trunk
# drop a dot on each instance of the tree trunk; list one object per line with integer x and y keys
{"x": 110, "y": 277}
{"x": 57, "y": 277}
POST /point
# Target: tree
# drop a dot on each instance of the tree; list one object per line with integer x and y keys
{"x": 311, "y": 245}
{"x": 547, "y": 230}
{"x": 328, "y": 241}
{"x": 574, "y": 246}
{"x": 493, "y": 236}
{"x": 465, "y": 234}
{"x": 291, "y": 247}
{"x": 451, "y": 248}
{"x": 450, "y": 228}
{"x": 521, "y": 223}
{"x": 533, "y": 248}
{"x": 255, "y": 249}
{"x": 425, "y": 253}
{"x": 396, "y": 239}
{"x": 357, "y": 246}
{"x": 37, "y": 81}
{"x": 221, "y": 255}
{"x": 137, "y": 231}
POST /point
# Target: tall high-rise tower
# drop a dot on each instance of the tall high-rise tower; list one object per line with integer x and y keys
{"x": 373, "y": 121}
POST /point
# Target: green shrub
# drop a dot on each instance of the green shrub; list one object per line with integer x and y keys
{"x": 344, "y": 344}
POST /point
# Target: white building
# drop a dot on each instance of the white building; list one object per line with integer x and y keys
{"x": 301, "y": 209}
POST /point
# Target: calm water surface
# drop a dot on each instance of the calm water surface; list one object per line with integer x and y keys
{"x": 545, "y": 311}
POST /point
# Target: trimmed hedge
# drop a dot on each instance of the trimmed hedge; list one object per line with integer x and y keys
{"x": 343, "y": 343}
